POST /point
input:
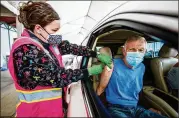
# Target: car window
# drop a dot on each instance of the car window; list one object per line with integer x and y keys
{"x": 153, "y": 49}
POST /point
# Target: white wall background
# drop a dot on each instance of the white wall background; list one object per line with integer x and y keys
{"x": 5, "y": 48}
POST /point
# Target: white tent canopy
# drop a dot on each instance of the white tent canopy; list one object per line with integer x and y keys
{"x": 79, "y": 17}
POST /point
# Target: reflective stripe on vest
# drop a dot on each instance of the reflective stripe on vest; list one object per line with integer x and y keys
{"x": 39, "y": 95}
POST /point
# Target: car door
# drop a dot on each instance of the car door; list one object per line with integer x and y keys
{"x": 151, "y": 18}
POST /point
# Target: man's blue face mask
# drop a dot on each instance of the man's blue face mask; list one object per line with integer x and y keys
{"x": 134, "y": 58}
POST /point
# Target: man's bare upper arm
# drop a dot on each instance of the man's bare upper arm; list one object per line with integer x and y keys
{"x": 107, "y": 72}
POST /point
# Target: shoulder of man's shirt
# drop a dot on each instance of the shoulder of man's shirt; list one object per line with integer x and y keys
{"x": 117, "y": 59}
{"x": 142, "y": 66}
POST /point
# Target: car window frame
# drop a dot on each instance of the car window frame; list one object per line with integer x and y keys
{"x": 145, "y": 29}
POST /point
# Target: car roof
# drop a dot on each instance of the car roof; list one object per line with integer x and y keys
{"x": 158, "y": 13}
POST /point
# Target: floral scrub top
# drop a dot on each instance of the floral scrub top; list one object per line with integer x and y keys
{"x": 34, "y": 67}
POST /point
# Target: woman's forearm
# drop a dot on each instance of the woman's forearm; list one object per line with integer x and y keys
{"x": 68, "y": 48}
{"x": 34, "y": 67}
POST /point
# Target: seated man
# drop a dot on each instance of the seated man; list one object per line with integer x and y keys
{"x": 173, "y": 79}
{"x": 126, "y": 81}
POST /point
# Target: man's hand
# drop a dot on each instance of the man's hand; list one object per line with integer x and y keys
{"x": 106, "y": 59}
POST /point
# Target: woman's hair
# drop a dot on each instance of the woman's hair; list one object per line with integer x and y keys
{"x": 32, "y": 13}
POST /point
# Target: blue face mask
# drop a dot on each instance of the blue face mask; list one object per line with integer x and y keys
{"x": 53, "y": 39}
{"x": 134, "y": 58}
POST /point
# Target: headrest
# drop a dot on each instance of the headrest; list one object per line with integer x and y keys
{"x": 119, "y": 51}
{"x": 166, "y": 52}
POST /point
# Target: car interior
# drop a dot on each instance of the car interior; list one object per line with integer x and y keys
{"x": 158, "y": 60}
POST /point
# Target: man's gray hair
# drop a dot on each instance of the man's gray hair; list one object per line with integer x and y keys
{"x": 135, "y": 38}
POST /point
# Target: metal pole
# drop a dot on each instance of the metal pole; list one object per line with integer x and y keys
{"x": 154, "y": 49}
{"x": 9, "y": 37}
